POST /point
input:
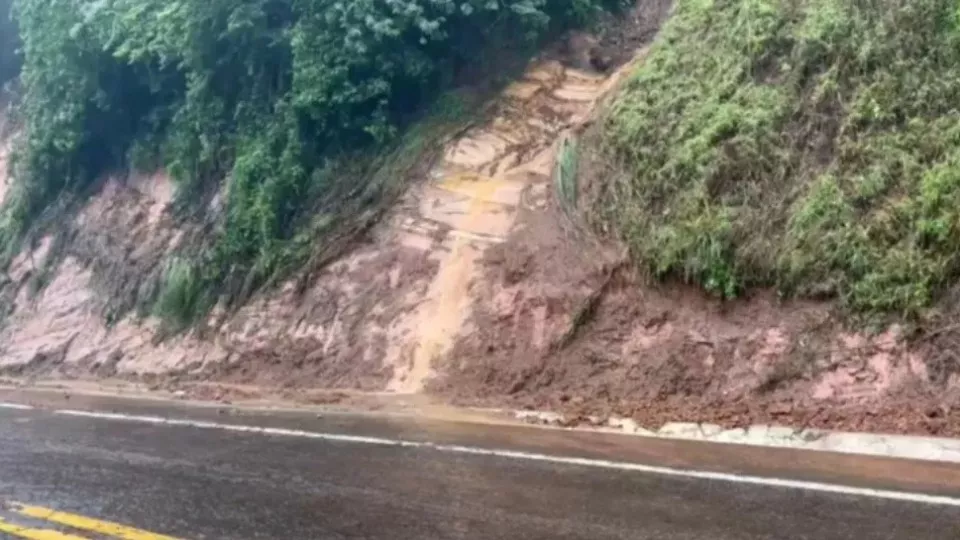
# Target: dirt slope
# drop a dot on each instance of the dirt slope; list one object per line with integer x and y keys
{"x": 562, "y": 324}
{"x": 479, "y": 290}
{"x": 375, "y": 320}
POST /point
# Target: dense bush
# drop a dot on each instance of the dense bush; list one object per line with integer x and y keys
{"x": 266, "y": 95}
{"x": 810, "y": 145}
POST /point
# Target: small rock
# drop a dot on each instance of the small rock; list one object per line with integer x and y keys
{"x": 628, "y": 425}
{"x": 781, "y": 409}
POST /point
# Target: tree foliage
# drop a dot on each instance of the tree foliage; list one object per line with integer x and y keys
{"x": 261, "y": 94}
{"x": 9, "y": 44}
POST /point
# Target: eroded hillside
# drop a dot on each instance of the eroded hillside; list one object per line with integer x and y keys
{"x": 507, "y": 272}
{"x": 376, "y": 319}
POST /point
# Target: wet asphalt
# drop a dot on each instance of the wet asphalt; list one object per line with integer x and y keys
{"x": 197, "y": 483}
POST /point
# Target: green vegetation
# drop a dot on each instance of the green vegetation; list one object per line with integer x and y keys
{"x": 566, "y": 170}
{"x": 9, "y": 45}
{"x": 810, "y": 145}
{"x": 181, "y": 296}
{"x": 294, "y": 107}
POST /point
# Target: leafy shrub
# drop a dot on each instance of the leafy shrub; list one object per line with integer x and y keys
{"x": 9, "y": 44}
{"x": 809, "y": 145}
{"x": 181, "y": 298}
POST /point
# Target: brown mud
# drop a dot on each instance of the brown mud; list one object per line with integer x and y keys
{"x": 565, "y": 325}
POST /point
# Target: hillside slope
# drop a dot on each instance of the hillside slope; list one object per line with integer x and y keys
{"x": 375, "y": 319}
{"x": 744, "y": 218}
{"x": 781, "y": 178}
{"x": 808, "y": 146}
{"x": 798, "y": 160}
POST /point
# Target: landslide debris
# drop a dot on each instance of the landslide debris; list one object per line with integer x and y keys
{"x": 778, "y": 173}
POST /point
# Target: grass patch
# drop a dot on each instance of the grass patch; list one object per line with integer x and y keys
{"x": 181, "y": 300}
{"x": 810, "y": 145}
{"x": 565, "y": 172}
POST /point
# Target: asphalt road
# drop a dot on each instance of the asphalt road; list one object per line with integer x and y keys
{"x": 208, "y": 482}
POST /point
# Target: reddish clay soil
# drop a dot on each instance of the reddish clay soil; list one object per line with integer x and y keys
{"x": 554, "y": 319}
{"x": 564, "y": 325}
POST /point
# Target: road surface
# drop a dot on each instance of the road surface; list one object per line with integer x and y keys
{"x": 97, "y": 471}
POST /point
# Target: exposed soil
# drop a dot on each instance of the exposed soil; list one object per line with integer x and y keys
{"x": 479, "y": 290}
{"x": 346, "y": 331}
{"x": 562, "y": 324}
{"x": 373, "y": 320}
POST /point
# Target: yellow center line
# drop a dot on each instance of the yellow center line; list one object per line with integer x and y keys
{"x": 87, "y": 524}
{"x": 35, "y": 534}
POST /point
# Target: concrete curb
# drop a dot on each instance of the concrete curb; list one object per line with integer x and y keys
{"x": 868, "y": 444}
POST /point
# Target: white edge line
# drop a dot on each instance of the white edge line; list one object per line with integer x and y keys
{"x": 15, "y": 406}
{"x": 512, "y": 454}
